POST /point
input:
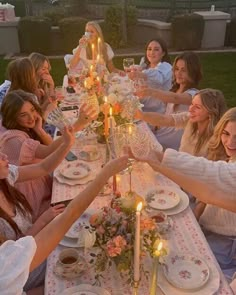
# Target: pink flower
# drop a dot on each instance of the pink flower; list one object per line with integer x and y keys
{"x": 147, "y": 224}
{"x": 100, "y": 230}
{"x": 115, "y": 246}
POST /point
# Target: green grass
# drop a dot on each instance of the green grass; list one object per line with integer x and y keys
{"x": 219, "y": 72}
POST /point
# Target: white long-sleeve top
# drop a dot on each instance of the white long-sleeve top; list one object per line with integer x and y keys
{"x": 220, "y": 174}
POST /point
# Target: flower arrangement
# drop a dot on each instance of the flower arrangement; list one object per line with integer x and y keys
{"x": 115, "y": 233}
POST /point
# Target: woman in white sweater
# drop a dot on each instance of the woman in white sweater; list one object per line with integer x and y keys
{"x": 217, "y": 221}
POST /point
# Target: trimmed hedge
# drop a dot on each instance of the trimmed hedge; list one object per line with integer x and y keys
{"x": 72, "y": 28}
{"x": 34, "y": 34}
{"x": 187, "y": 31}
{"x": 55, "y": 16}
{"x": 232, "y": 32}
{"x": 113, "y": 21}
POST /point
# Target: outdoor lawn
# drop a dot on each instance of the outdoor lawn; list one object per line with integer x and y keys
{"x": 218, "y": 72}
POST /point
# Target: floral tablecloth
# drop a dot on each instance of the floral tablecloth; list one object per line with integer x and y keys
{"x": 185, "y": 236}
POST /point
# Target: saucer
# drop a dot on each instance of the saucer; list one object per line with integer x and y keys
{"x": 79, "y": 268}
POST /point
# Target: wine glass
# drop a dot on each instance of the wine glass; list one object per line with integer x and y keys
{"x": 128, "y": 63}
{"x": 57, "y": 119}
{"x": 140, "y": 143}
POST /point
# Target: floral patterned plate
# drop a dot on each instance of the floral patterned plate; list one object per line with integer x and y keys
{"x": 186, "y": 271}
{"x": 75, "y": 170}
{"x": 85, "y": 289}
{"x": 73, "y": 232}
{"x": 163, "y": 199}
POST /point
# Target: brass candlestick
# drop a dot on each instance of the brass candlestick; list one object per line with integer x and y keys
{"x": 136, "y": 286}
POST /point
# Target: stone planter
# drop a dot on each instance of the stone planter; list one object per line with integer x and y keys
{"x": 214, "y": 29}
{"x": 9, "y": 37}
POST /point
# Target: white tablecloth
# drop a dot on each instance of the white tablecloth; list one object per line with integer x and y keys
{"x": 186, "y": 235}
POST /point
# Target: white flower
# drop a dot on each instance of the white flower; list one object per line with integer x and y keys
{"x": 112, "y": 98}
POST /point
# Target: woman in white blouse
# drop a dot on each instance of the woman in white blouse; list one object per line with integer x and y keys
{"x": 92, "y": 47}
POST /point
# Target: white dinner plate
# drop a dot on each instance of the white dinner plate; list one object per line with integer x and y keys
{"x": 85, "y": 289}
{"x": 68, "y": 242}
{"x": 182, "y": 205}
{"x": 210, "y": 288}
{"x": 60, "y": 178}
{"x": 186, "y": 271}
{"x": 163, "y": 198}
{"x": 73, "y": 232}
{"x": 75, "y": 170}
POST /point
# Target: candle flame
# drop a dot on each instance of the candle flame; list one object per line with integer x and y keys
{"x": 110, "y": 111}
{"x": 99, "y": 40}
{"x": 92, "y": 46}
{"x": 85, "y": 84}
{"x": 98, "y": 58}
{"x": 91, "y": 68}
{"x": 105, "y": 99}
{"x": 98, "y": 79}
{"x": 139, "y": 206}
{"x": 159, "y": 247}
{"x": 130, "y": 130}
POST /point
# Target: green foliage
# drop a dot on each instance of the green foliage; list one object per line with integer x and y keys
{"x": 72, "y": 28}
{"x": 232, "y": 32}
{"x": 187, "y": 31}
{"x": 55, "y": 16}
{"x": 34, "y": 34}
{"x": 112, "y": 27}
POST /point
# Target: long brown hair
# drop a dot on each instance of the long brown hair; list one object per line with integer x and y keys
{"x": 18, "y": 200}
{"x": 164, "y": 48}
{"x": 193, "y": 66}
{"x": 21, "y": 73}
{"x": 38, "y": 60}
{"x": 216, "y": 149}
{"x": 214, "y": 102}
{"x": 11, "y": 107}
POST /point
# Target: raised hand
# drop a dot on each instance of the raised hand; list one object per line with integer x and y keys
{"x": 86, "y": 115}
{"x": 115, "y": 166}
{"x": 68, "y": 135}
{"x": 143, "y": 92}
{"x": 51, "y": 213}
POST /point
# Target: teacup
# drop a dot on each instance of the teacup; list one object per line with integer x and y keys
{"x": 161, "y": 220}
{"x": 69, "y": 259}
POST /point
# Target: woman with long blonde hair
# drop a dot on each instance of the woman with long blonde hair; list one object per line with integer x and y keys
{"x": 218, "y": 149}
{"x": 84, "y": 53}
{"x": 207, "y": 107}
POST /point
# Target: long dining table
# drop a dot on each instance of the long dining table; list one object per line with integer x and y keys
{"x": 185, "y": 236}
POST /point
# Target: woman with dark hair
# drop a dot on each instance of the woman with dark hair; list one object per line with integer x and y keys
{"x": 187, "y": 75}
{"x": 30, "y": 251}
{"x": 15, "y": 211}
{"x": 156, "y": 73}
{"x": 23, "y": 141}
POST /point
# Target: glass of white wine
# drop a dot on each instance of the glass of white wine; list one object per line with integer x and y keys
{"x": 128, "y": 63}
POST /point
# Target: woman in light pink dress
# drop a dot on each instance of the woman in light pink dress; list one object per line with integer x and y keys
{"x": 24, "y": 141}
